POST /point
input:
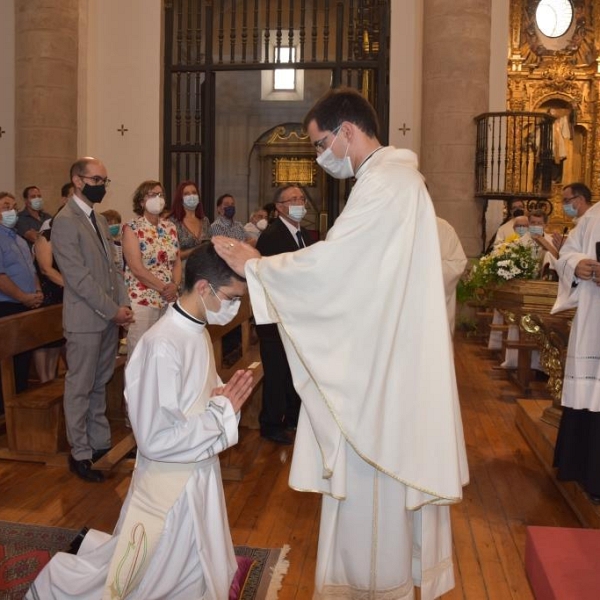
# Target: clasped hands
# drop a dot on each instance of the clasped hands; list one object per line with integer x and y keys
{"x": 237, "y": 389}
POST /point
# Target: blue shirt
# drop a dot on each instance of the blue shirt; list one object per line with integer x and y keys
{"x": 16, "y": 262}
{"x": 228, "y": 228}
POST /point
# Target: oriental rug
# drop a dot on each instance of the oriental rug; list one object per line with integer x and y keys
{"x": 25, "y": 549}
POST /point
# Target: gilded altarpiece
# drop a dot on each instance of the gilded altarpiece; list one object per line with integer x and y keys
{"x": 560, "y": 76}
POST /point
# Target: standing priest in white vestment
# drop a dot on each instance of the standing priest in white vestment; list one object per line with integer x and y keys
{"x": 362, "y": 316}
{"x": 172, "y": 539}
{"x": 577, "y": 452}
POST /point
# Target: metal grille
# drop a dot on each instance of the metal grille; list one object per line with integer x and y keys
{"x": 514, "y": 155}
{"x": 202, "y": 37}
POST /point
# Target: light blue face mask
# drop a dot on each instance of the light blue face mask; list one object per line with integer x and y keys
{"x": 521, "y": 230}
{"x": 114, "y": 230}
{"x": 569, "y": 210}
{"x": 9, "y": 218}
{"x": 536, "y": 230}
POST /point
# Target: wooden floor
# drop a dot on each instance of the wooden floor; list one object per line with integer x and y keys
{"x": 508, "y": 491}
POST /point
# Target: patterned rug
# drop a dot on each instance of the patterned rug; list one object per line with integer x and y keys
{"x": 25, "y": 549}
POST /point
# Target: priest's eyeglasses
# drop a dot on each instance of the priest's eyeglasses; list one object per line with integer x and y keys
{"x": 105, "y": 181}
{"x": 320, "y": 144}
{"x": 227, "y": 296}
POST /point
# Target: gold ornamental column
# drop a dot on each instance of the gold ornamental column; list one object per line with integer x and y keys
{"x": 46, "y": 48}
{"x": 456, "y": 66}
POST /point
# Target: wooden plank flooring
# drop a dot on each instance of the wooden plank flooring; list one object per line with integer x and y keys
{"x": 508, "y": 491}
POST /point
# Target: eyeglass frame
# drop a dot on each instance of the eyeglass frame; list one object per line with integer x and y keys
{"x": 302, "y": 200}
{"x": 155, "y": 195}
{"x": 319, "y": 144}
{"x": 228, "y": 298}
{"x": 105, "y": 181}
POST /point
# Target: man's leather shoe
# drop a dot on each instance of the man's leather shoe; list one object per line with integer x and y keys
{"x": 77, "y": 540}
{"x": 83, "y": 470}
{"x": 279, "y": 437}
{"x": 594, "y": 499}
{"x": 98, "y": 454}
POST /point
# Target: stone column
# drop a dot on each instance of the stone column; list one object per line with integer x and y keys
{"x": 456, "y": 64}
{"x": 46, "y": 47}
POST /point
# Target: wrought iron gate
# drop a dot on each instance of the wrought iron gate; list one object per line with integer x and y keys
{"x": 350, "y": 38}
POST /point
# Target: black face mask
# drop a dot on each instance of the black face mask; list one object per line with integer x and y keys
{"x": 94, "y": 193}
{"x": 518, "y": 212}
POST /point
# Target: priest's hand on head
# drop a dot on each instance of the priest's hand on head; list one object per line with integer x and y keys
{"x": 237, "y": 389}
{"x": 234, "y": 252}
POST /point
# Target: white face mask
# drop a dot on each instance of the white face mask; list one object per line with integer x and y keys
{"x": 262, "y": 224}
{"x": 9, "y": 218}
{"x": 226, "y": 313}
{"x": 191, "y": 201}
{"x": 296, "y": 213}
{"x": 340, "y": 168}
{"x": 37, "y": 203}
{"x": 155, "y": 205}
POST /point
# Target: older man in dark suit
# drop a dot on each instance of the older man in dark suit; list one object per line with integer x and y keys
{"x": 281, "y": 403}
{"x": 95, "y": 305}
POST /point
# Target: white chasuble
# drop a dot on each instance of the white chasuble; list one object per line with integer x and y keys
{"x": 362, "y": 316}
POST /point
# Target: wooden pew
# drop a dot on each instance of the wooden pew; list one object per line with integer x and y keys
{"x": 249, "y": 356}
{"x": 34, "y": 418}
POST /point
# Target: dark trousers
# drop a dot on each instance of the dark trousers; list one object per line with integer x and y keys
{"x": 21, "y": 361}
{"x": 280, "y": 402}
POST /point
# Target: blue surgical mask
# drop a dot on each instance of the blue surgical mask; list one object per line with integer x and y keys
{"x": 114, "y": 230}
{"x": 229, "y": 211}
{"x": 9, "y": 218}
{"x": 521, "y": 230}
{"x": 37, "y": 203}
{"x": 191, "y": 201}
{"x": 569, "y": 210}
{"x": 536, "y": 230}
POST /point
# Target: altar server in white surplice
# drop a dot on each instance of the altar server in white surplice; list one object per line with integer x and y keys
{"x": 454, "y": 261}
{"x": 577, "y": 452}
{"x": 172, "y": 539}
{"x": 362, "y": 316}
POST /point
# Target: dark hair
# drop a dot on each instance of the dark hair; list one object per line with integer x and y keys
{"x": 6, "y": 195}
{"x": 282, "y": 189}
{"x": 343, "y": 104}
{"x": 64, "y": 190}
{"x": 580, "y": 189}
{"x": 177, "y": 207}
{"x": 205, "y": 263}
{"x": 26, "y": 190}
{"x": 222, "y": 197}
{"x": 140, "y": 193}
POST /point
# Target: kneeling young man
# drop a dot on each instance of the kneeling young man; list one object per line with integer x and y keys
{"x": 172, "y": 539}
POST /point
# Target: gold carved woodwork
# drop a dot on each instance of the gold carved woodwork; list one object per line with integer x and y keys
{"x": 565, "y": 72}
{"x": 302, "y": 171}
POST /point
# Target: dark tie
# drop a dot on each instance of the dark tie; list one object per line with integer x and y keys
{"x": 95, "y": 224}
{"x": 301, "y": 243}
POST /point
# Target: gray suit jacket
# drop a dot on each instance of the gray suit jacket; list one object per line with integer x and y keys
{"x": 94, "y": 289}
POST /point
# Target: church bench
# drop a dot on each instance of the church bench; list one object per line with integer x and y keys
{"x": 34, "y": 418}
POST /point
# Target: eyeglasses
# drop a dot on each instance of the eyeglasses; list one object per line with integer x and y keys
{"x": 567, "y": 200}
{"x": 155, "y": 195}
{"x": 320, "y": 144}
{"x": 294, "y": 200}
{"x": 227, "y": 296}
{"x": 97, "y": 179}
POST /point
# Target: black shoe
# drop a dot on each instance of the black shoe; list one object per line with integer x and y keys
{"x": 83, "y": 470}
{"x": 594, "y": 499}
{"x": 279, "y": 437}
{"x": 77, "y": 540}
{"x": 98, "y": 454}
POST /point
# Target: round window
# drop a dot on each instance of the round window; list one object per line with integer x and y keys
{"x": 554, "y": 17}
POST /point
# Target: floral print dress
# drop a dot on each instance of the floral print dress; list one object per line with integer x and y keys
{"x": 159, "y": 247}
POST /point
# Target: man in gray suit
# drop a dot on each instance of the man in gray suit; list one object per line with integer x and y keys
{"x": 95, "y": 305}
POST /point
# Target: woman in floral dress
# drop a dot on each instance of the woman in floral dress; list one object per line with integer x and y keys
{"x": 152, "y": 262}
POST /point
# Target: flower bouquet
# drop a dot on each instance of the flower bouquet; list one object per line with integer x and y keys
{"x": 509, "y": 260}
